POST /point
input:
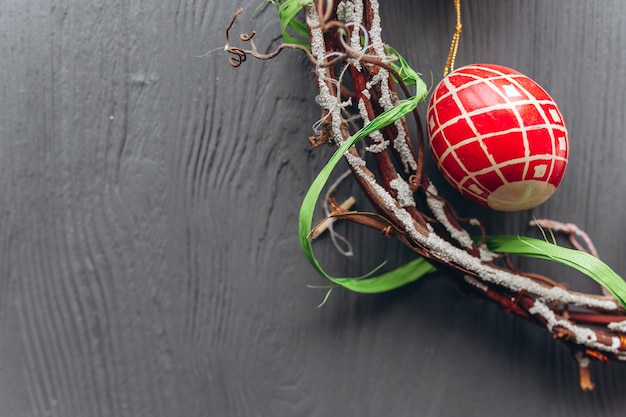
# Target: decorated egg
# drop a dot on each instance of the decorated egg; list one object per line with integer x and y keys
{"x": 497, "y": 137}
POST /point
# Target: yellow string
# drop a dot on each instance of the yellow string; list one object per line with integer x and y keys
{"x": 454, "y": 45}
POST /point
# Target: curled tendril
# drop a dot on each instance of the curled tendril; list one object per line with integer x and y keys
{"x": 240, "y": 54}
{"x": 247, "y": 37}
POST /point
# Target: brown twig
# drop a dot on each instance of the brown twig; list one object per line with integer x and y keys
{"x": 407, "y": 203}
{"x": 524, "y": 302}
{"x": 239, "y": 54}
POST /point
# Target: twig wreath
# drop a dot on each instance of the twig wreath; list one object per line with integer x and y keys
{"x": 359, "y": 76}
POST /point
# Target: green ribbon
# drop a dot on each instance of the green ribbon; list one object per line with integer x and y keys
{"x": 588, "y": 264}
{"x": 405, "y": 274}
{"x": 287, "y": 11}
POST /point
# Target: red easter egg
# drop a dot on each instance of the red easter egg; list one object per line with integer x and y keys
{"x": 497, "y": 136}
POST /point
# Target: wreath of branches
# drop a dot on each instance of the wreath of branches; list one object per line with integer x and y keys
{"x": 344, "y": 41}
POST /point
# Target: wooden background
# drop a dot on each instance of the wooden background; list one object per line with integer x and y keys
{"x": 149, "y": 264}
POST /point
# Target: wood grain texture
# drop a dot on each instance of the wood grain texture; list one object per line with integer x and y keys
{"x": 149, "y": 264}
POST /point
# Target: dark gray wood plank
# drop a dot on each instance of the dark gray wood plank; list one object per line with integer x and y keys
{"x": 149, "y": 263}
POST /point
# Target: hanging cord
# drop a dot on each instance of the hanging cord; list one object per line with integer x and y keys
{"x": 454, "y": 45}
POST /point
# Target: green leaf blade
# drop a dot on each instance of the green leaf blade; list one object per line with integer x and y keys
{"x": 287, "y": 11}
{"x": 582, "y": 261}
{"x": 403, "y": 275}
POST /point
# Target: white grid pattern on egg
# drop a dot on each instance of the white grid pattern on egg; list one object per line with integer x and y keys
{"x": 551, "y": 124}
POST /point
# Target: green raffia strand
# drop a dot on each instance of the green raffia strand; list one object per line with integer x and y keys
{"x": 389, "y": 280}
{"x": 400, "y": 276}
{"x": 287, "y": 11}
{"x": 409, "y": 75}
{"x": 584, "y": 262}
